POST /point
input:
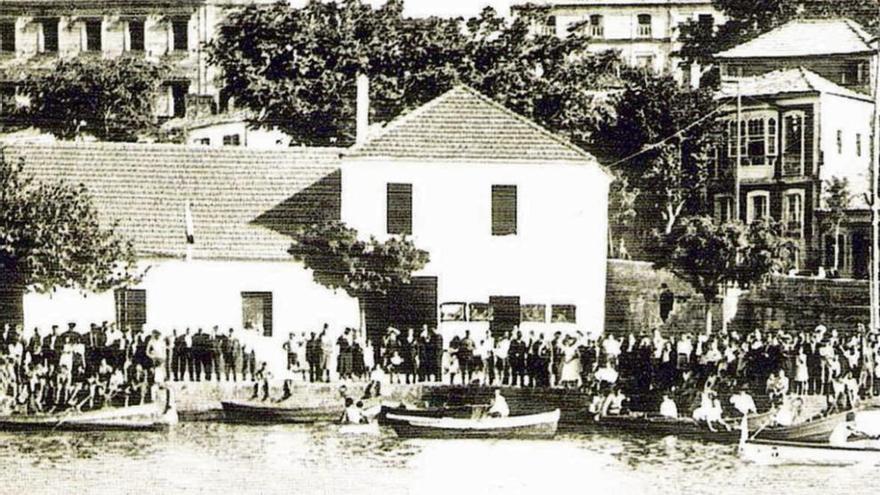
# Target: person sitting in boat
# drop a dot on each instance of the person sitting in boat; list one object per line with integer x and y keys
{"x": 613, "y": 404}
{"x": 841, "y": 434}
{"x": 499, "y": 407}
{"x": 743, "y": 402}
{"x": 668, "y": 409}
{"x": 138, "y": 385}
{"x": 352, "y": 415}
{"x": 777, "y": 387}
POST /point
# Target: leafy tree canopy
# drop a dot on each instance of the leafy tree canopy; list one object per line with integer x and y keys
{"x": 111, "y": 99}
{"x": 50, "y": 237}
{"x": 296, "y": 67}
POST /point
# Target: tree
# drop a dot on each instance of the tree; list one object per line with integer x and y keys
{"x": 50, "y": 238}
{"x": 663, "y": 136}
{"x": 296, "y": 68}
{"x": 112, "y": 99}
{"x": 749, "y": 18}
{"x": 363, "y": 269}
{"x": 712, "y": 256}
{"x": 837, "y": 199}
{"x": 621, "y": 208}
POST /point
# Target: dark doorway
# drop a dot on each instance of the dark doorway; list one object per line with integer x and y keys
{"x": 405, "y": 306}
{"x": 505, "y": 314}
{"x": 860, "y": 254}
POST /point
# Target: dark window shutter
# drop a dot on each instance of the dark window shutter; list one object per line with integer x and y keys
{"x": 267, "y": 314}
{"x": 50, "y": 35}
{"x": 93, "y": 36}
{"x": 7, "y": 37}
{"x": 136, "y": 35}
{"x": 504, "y": 210}
{"x": 399, "y": 209}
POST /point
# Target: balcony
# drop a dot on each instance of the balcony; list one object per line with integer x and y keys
{"x": 597, "y": 31}
{"x": 644, "y": 31}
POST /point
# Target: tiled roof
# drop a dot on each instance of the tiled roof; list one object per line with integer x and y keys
{"x": 787, "y": 81}
{"x": 244, "y": 202}
{"x": 463, "y": 125}
{"x": 803, "y": 38}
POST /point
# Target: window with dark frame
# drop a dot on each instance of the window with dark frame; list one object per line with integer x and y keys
{"x": 93, "y": 35}
{"x": 7, "y": 37}
{"x": 504, "y": 221}
{"x": 645, "y": 30}
{"x": 563, "y": 313}
{"x": 178, "y": 100}
{"x": 131, "y": 308}
{"x": 180, "y": 34}
{"x": 398, "y": 217}
{"x": 136, "y": 35}
{"x": 232, "y": 140}
{"x": 50, "y": 35}
{"x": 256, "y": 312}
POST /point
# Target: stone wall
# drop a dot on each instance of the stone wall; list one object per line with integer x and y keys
{"x": 798, "y": 302}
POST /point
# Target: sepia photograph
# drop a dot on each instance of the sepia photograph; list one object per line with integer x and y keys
{"x": 448, "y": 247}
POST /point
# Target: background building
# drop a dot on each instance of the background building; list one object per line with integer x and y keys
{"x": 644, "y": 31}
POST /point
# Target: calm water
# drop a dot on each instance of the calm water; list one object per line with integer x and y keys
{"x": 219, "y": 459}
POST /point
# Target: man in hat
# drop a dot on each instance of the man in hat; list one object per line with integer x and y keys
{"x": 667, "y": 302}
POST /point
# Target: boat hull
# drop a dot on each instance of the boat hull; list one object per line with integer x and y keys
{"x": 464, "y": 412}
{"x": 136, "y": 418}
{"x": 253, "y": 412}
{"x": 814, "y": 431}
{"x": 682, "y": 427}
{"x": 807, "y": 453}
{"x": 537, "y": 426}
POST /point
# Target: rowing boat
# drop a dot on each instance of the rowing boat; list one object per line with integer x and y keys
{"x": 145, "y": 417}
{"x": 815, "y": 430}
{"x": 810, "y": 453}
{"x": 542, "y": 425}
{"x": 268, "y": 412}
{"x": 682, "y": 427}
{"x": 434, "y": 412}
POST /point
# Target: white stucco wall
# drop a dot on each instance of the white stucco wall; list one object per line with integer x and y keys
{"x": 557, "y": 257}
{"x": 851, "y": 117}
{"x": 252, "y": 138}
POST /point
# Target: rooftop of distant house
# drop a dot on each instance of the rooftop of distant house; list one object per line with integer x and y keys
{"x": 611, "y": 3}
{"x": 806, "y": 38}
{"x": 786, "y": 82}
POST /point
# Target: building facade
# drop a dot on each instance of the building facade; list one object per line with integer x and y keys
{"x": 34, "y": 34}
{"x": 645, "y": 32}
{"x": 797, "y": 132}
{"x": 456, "y": 175}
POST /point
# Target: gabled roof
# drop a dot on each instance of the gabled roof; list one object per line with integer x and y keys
{"x": 786, "y": 81}
{"x": 244, "y": 202}
{"x": 804, "y": 38}
{"x": 464, "y": 125}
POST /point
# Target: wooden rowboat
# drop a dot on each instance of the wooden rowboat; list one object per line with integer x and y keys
{"x": 815, "y": 430}
{"x": 542, "y": 425}
{"x": 682, "y": 427}
{"x": 809, "y": 453}
{"x": 435, "y": 412}
{"x": 268, "y": 412}
{"x": 146, "y": 417}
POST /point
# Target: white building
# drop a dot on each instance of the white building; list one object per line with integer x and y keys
{"x": 645, "y": 32}
{"x": 513, "y": 217}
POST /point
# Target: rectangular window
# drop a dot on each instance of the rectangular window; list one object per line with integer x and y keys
{"x": 536, "y": 313}
{"x": 644, "y": 29}
{"x": 723, "y": 208}
{"x": 645, "y": 61}
{"x": 178, "y": 100}
{"x": 136, "y": 37}
{"x": 563, "y": 313}
{"x": 7, "y": 37}
{"x": 706, "y": 21}
{"x": 50, "y": 35}
{"x": 453, "y": 312}
{"x": 597, "y": 26}
{"x": 93, "y": 35}
{"x": 180, "y": 34}
{"x": 758, "y": 206}
{"x": 398, "y": 213}
{"x": 858, "y": 144}
{"x": 839, "y": 142}
{"x": 504, "y": 210}
{"x": 481, "y": 312}
{"x": 203, "y": 141}
{"x": 232, "y": 140}
{"x": 256, "y": 312}
{"x": 131, "y": 308}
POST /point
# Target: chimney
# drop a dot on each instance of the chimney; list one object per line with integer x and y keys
{"x": 363, "y": 108}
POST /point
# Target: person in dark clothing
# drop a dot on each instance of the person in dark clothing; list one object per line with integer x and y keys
{"x": 219, "y": 343}
{"x": 518, "y": 359}
{"x": 201, "y": 351}
{"x": 466, "y": 357}
{"x": 313, "y": 358}
{"x": 667, "y": 302}
{"x": 436, "y": 355}
{"x": 177, "y": 360}
{"x": 228, "y": 358}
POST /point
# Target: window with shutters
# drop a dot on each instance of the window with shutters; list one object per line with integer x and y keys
{"x": 136, "y": 35}
{"x": 644, "y": 29}
{"x": 256, "y": 312}
{"x": 232, "y": 140}
{"x": 399, "y": 209}
{"x": 131, "y": 308}
{"x": 180, "y": 34}
{"x": 93, "y": 35}
{"x": 504, "y": 210}
{"x": 7, "y": 38}
{"x": 597, "y": 26}
{"x": 49, "y": 35}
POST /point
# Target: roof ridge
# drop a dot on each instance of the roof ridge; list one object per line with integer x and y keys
{"x": 129, "y": 146}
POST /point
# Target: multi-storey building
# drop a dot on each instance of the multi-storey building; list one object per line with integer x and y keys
{"x": 839, "y": 50}
{"x": 796, "y": 131}
{"x": 646, "y": 32}
{"x": 36, "y": 33}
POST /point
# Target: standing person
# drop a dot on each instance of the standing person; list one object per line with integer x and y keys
{"x": 343, "y": 355}
{"x": 290, "y": 348}
{"x": 326, "y": 352}
{"x": 436, "y": 354}
{"x": 667, "y": 302}
{"x": 237, "y": 354}
{"x": 51, "y": 348}
{"x": 466, "y": 357}
{"x": 313, "y": 350}
{"x": 218, "y": 362}
{"x": 801, "y": 374}
{"x": 177, "y": 361}
{"x": 229, "y": 357}
{"x": 424, "y": 361}
{"x": 556, "y": 358}
{"x": 518, "y": 359}
{"x": 201, "y": 355}
{"x": 189, "y": 362}
{"x": 502, "y": 358}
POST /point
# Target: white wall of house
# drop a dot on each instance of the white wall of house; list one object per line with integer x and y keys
{"x": 201, "y": 293}
{"x": 557, "y": 256}
{"x": 213, "y": 135}
{"x": 852, "y": 119}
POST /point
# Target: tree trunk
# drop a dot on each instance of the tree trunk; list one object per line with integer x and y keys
{"x": 672, "y": 213}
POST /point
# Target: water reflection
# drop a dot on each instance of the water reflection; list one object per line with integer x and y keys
{"x": 219, "y": 458}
